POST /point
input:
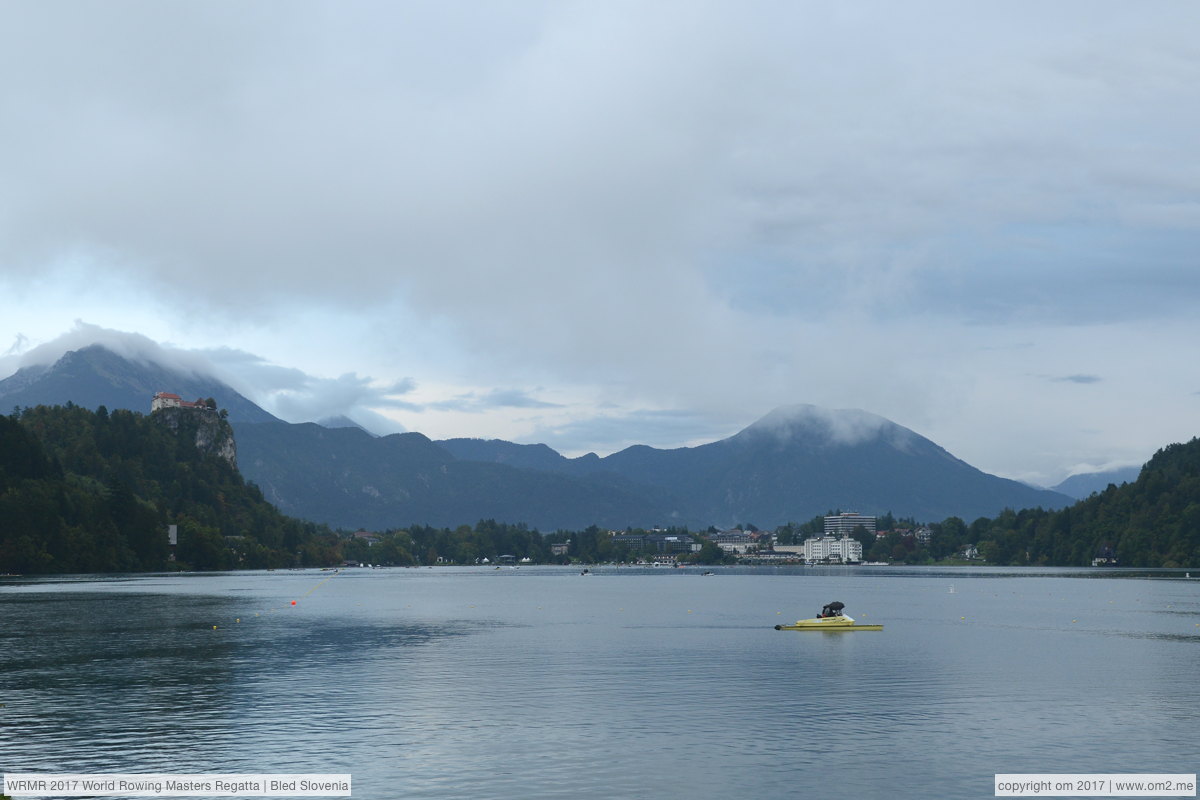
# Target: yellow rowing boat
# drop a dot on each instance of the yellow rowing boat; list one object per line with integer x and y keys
{"x": 838, "y": 623}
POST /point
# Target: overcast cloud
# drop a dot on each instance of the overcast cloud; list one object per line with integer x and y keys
{"x": 593, "y": 224}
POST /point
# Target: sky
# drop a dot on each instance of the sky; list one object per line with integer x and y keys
{"x": 594, "y": 224}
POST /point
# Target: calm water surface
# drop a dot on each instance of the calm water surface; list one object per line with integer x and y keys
{"x": 626, "y": 683}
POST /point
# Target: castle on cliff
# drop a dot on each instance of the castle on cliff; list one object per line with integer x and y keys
{"x": 167, "y": 400}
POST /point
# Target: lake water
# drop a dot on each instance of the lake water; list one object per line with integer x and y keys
{"x": 625, "y": 683}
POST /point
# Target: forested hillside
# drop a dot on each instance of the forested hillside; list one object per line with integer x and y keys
{"x": 1151, "y": 522}
{"x": 84, "y": 491}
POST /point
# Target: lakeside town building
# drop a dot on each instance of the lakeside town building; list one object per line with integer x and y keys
{"x": 656, "y": 543}
{"x": 737, "y": 541}
{"x": 831, "y": 548}
{"x": 844, "y": 524}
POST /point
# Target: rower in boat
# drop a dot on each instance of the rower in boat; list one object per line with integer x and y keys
{"x": 833, "y": 609}
{"x": 831, "y": 618}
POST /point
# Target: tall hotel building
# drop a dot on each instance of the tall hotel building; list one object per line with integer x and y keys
{"x": 844, "y": 524}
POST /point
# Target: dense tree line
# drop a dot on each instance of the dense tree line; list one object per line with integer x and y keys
{"x": 425, "y": 545}
{"x": 84, "y": 491}
{"x": 1152, "y": 522}
{"x": 488, "y": 539}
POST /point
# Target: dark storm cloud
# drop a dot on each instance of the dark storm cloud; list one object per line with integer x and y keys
{"x": 344, "y": 157}
{"x": 663, "y": 206}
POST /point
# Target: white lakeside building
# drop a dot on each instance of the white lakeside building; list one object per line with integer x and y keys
{"x": 832, "y": 548}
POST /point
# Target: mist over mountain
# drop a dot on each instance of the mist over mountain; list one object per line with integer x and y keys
{"x": 794, "y": 463}
{"x": 342, "y": 421}
{"x": 95, "y": 376}
{"x": 1085, "y": 484}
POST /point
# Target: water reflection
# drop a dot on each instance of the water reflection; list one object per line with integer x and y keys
{"x": 143, "y": 681}
{"x": 650, "y": 683}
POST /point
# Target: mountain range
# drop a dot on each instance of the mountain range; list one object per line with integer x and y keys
{"x": 1086, "y": 484}
{"x": 793, "y": 464}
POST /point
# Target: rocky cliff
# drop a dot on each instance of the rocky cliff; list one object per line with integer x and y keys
{"x": 209, "y": 429}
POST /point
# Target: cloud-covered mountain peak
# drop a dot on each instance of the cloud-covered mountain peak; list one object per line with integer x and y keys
{"x": 841, "y": 426}
{"x": 94, "y": 375}
{"x": 87, "y": 338}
